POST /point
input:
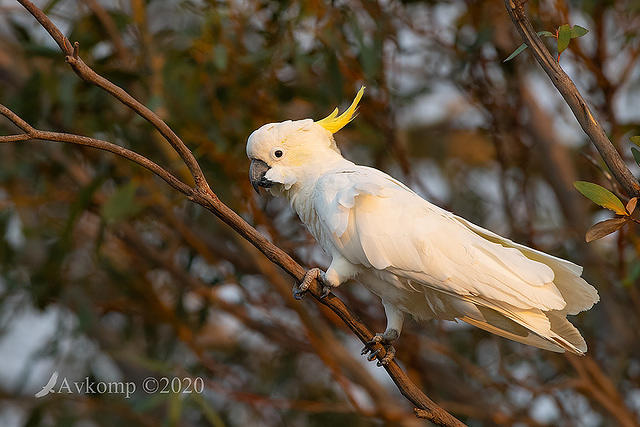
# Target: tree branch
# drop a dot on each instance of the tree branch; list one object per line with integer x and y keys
{"x": 572, "y": 97}
{"x": 87, "y": 74}
{"x": 204, "y": 196}
{"x": 32, "y": 133}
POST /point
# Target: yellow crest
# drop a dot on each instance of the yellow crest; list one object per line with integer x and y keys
{"x": 333, "y": 123}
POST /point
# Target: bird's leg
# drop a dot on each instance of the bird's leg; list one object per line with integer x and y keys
{"x": 385, "y": 339}
{"x": 338, "y": 272}
{"x": 395, "y": 318}
{"x": 315, "y": 273}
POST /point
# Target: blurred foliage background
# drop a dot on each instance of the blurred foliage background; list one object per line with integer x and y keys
{"x": 107, "y": 273}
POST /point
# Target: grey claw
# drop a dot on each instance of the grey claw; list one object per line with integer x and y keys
{"x": 368, "y": 346}
{"x": 298, "y": 293}
{"x": 326, "y": 290}
{"x": 388, "y": 348}
{"x": 310, "y": 276}
{"x": 376, "y": 339}
{"x": 388, "y": 357}
{"x": 301, "y": 289}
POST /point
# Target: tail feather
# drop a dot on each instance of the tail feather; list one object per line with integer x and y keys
{"x": 549, "y": 330}
{"x": 567, "y": 332}
{"x": 578, "y": 294}
{"x": 529, "y": 339}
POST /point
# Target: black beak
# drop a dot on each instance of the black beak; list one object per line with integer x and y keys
{"x": 257, "y": 170}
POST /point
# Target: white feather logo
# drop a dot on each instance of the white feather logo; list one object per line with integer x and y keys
{"x": 48, "y": 388}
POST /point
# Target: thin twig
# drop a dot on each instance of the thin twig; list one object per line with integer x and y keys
{"x": 573, "y": 98}
{"x": 32, "y": 133}
{"x": 614, "y": 184}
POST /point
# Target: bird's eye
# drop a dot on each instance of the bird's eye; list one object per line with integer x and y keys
{"x": 277, "y": 153}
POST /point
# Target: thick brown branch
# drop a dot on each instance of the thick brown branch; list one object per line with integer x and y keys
{"x": 32, "y": 133}
{"x": 572, "y": 96}
{"x": 87, "y": 74}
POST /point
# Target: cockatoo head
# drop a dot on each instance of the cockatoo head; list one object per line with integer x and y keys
{"x": 281, "y": 153}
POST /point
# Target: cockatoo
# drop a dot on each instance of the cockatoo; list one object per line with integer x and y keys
{"x": 418, "y": 258}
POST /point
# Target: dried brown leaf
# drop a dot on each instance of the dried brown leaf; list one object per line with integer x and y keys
{"x": 631, "y": 205}
{"x": 604, "y": 228}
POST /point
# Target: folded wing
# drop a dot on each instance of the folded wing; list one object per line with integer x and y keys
{"x": 377, "y": 222}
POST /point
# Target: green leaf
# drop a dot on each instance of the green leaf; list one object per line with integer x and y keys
{"x": 635, "y": 140}
{"x": 516, "y": 52}
{"x": 564, "y": 37}
{"x": 546, "y": 34}
{"x": 636, "y": 154}
{"x": 122, "y": 204}
{"x": 578, "y": 31}
{"x": 523, "y": 46}
{"x": 600, "y": 196}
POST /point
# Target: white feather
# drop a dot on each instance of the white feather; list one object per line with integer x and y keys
{"x": 462, "y": 270}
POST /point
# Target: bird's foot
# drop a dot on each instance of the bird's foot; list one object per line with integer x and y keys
{"x": 385, "y": 340}
{"x": 300, "y": 290}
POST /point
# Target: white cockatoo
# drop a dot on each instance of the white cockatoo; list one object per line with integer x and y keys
{"x": 418, "y": 258}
